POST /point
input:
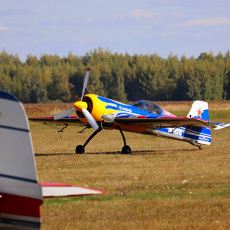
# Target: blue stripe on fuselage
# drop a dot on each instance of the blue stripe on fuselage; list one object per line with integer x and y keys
{"x": 195, "y": 133}
{"x": 18, "y": 178}
{"x": 113, "y": 105}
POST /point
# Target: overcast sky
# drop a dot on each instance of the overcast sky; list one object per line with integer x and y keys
{"x": 182, "y": 27}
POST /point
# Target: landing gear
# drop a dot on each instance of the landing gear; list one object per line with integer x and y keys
{"x": 192, "y": 142}
{"x": 81, "y": 148}
{"x": 126, "y": 149}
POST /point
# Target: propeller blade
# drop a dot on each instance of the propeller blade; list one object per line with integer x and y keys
{"x": 85, "y": 82}
{"x": 71, "y": 110}
{"x": 67, "y": 112}
{"x": 90, "y": 119}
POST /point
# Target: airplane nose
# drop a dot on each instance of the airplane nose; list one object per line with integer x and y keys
{"x": 80, "y": 105}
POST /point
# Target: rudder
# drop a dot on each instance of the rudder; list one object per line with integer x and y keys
{"x": 199, "y": 110}
{"x": 199, "y": 135}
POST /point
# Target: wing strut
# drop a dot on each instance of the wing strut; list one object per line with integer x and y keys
{"x": 87, "y": 127}
{"x": 59, "y": 130}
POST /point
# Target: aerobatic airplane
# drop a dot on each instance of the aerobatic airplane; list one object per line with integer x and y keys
{"x": 144, "y": 117}
{"x": 21, "y": 195}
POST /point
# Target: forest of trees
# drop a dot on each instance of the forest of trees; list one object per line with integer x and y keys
{"x": 116, "y": 76}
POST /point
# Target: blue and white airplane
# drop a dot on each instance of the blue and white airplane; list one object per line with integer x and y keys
{"x": 144, "y": 117}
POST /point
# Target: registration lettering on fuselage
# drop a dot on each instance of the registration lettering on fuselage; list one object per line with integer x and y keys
{"x": 174, "y": 131}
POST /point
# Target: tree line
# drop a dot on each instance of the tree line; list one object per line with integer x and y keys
{"x": 120, "y": 77}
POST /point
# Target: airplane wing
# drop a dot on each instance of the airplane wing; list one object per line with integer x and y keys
{"x": 165, "y": 122}
{"x": 70, "y": 120}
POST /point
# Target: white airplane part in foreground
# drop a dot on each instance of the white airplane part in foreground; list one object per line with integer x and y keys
{"x": 20, "y": 193}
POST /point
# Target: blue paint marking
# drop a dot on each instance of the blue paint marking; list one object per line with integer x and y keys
{"x": 14, "y": 128}
{"x": 163, "y": 130}
{"x": 124, "y": 107}
{"x": 200, "y": 137}
{"x": 204, "y": 133}
{"x": 204, "y": 115}
{"x": 7, "y": 96}
{"x": 220, "y": 124}
{"x": 196, "y": 133}
{"x": 153, "y": 115}
{"x": 18, "y": 178}
{"x": 111, "y": 107}
{"x": 103, "y": 99}
{"x": 123, "y": 115}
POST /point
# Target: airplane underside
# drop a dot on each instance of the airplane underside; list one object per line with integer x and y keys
{"x": 182, "y": 135}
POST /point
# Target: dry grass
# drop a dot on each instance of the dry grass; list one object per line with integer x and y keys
{"x": 49, "y": 108}
{"x": 172, "y": 184}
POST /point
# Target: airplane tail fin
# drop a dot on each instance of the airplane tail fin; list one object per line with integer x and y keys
{"x": 199, "y": 135}
{"x": 199, "y": 110}
{"x": 20, "y": 193}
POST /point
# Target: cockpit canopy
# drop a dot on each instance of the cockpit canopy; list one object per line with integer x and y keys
{"x": 148, "y": 106}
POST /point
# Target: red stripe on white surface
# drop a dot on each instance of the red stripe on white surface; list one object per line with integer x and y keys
{"x": 165, "y": 112}
{"x": 34, "y": 118}
{"x": 51, "y": 118}
{"x": 75, "y": 116}
{"x": 52, "y": 189}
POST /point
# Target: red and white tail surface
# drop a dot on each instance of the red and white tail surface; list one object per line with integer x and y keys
{"x": 61, "y": 190}
{"x": 20, "y": 193}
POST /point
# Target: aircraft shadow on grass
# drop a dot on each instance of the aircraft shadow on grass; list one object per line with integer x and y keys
{"x": 139, "y": 152}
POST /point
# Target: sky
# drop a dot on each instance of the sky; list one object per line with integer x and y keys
{"x": 179, "y": 27}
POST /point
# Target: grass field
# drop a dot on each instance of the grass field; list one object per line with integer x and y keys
{"x": 163, "y": 184}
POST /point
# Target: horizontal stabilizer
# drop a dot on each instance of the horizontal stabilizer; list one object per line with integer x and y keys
{"x": 220, "y": 125}
{"x": 61, "y": 190}
{"x": 70, "y": 120}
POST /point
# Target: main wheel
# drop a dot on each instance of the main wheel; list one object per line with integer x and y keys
{"x": 126, "y": 150}
{"x": 80, "y": 149}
